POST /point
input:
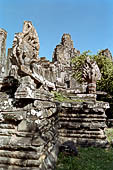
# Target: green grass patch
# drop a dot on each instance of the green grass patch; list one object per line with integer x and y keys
{"x": 60, "y": 97}
{"x": 89, "y": 158}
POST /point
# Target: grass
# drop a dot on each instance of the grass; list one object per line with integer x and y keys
{"x": 89, "y": 158}
{"x": 60, "y": 97}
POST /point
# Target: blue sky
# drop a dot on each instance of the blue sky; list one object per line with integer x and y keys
{"x": 90, "y": 22}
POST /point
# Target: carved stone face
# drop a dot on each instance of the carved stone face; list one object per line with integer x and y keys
{"x": 27, "y": 26}
{"x": 66, "y": 40}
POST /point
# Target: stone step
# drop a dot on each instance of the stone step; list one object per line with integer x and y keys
{"x": 13, "y": 167}
{"x": 19, "y": 162}
{"x": 89, "y": 119}
{"x": 73, "y": 131}
{"x": 86, "y": 142}
{"x": 82, "y": 125}
{"x": 81, "y": 115}
{"x": 19, "y": 154}
{"x": 91, "y": 136}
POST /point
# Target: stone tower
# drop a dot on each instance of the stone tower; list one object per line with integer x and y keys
{"x": 3, "y": 58}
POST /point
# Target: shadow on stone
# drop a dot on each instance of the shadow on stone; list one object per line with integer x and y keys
{"x": 68, "y": 148}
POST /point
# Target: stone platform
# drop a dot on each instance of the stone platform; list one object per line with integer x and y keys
{"x": 84, "y": 123}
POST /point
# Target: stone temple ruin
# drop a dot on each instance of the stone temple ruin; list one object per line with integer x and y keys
{"x": 32, "y": 122}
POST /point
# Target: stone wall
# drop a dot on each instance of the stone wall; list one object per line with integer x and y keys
{"x": 28, "y": 133}
{"x": 84, "y": 123}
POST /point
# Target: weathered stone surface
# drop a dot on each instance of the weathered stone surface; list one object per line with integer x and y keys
{"x": 64, "y": 51}
{"x": 3, "y": 57}
{"x": 27, "y": 134}
{"x": 28, "y": 114}
{"x": 69, "y": 148}
{"x": 110, "y": 123}
{"x": 83, "y": 123}
{"x": 91, "y": 74}
{"x": 24, "y": 56}
{"x": 25, "y": 45}
{"x": 106, "y": 53}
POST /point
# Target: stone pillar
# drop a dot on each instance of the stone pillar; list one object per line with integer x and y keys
{"x": 3, "y": 58}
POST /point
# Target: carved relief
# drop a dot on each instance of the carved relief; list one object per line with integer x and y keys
{"x": 91, "y": 74}
{"x": 25, "y": 45}
{"x": 25, "y": 53}
{"x": 64, "y": 51}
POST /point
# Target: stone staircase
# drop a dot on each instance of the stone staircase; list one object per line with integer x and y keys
{"x": 84, "y": 123}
